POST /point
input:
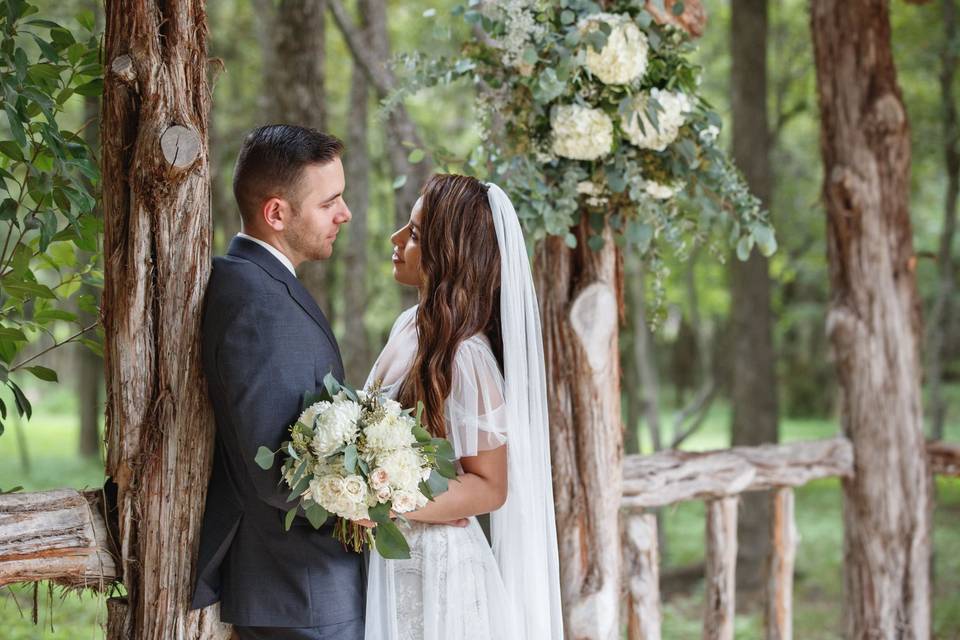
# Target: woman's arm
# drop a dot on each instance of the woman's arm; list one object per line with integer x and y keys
{"x": 481, "y": 489}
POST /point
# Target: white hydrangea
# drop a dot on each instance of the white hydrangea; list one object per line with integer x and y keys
{"x": 336, "y": 425}
{"x": 674, "y": 107}
{"x": 659, "y": 191}
{"x": 389, "y": 433}
{"x": 624, "y": 57}
{"x": 403, "y": 468}
{"x": 593, "y": 191}
{"x": 581, "y": 133}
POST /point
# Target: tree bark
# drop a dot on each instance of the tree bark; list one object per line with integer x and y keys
{"x": 356, "y": 345}
{"x": 939, "y": 323}
{"x": 874, "y": 320}
{"x": 754, "y": 380}
{"x": 580, "y": 307}
{"x": 295, "y": 84}
{"x": 156, "y": 197}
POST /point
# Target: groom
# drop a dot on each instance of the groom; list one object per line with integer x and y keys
{"x": 265, "y": 342}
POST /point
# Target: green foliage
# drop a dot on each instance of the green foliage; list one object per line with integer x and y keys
{"x": 569, "y": 133}
{"x": 48, "y": 179}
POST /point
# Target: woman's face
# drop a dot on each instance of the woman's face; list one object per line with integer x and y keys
{"x": 406, "y": 249}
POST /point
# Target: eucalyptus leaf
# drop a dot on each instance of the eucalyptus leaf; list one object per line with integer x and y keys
{"x": 317, "y": 515}
{"x": 390, "y": 542}
{"x": 264, "y": 458}
{"x": 288, "y": 520}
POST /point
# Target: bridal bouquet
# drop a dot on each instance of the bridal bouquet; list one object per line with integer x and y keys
{"x": 358, "y": 455}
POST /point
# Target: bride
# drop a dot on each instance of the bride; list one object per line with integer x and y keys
{"x": 472, "y": 352}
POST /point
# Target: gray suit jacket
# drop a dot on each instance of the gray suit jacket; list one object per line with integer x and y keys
{"x": 265, "y": 342}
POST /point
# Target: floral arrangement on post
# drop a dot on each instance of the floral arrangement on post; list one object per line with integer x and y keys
{"x": 593, "y": 109}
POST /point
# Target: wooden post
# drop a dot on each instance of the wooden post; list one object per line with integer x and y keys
{"x": 579, "y": 301}
{"x": 642, "y": 558}
{"x": 721, "y": 569}
{"x": 779, "y": 605}
{"x": 874, "y": 320}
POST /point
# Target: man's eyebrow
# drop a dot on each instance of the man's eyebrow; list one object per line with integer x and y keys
{"x": 333, "y": 197}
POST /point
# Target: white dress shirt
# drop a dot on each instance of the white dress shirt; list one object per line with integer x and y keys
{"x": 284, "y": 260}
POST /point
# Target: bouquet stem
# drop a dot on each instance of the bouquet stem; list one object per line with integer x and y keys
{"x": 352, "y": 535}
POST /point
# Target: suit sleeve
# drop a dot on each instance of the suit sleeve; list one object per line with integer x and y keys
{"x": 264, "y": 368}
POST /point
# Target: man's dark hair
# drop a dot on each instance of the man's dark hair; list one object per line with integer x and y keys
{"x": 272, "y": 160}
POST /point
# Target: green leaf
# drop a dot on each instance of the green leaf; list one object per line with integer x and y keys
{"x": 264, "y": 458}
{"x": 399, "y": 181}
{"x": 48, "y": 315}
{"x": 380, "y": 513}
{"x": 350, "y": 459}
{"x": 421, "y": 434}
{"x": 92, "y": 88}
{"x": 301, "y": 481}
{"x": 43, "y": 373}
{"x": 567, "y": 16}
{"x": 23, "y": 405}
{"x": 437, "y": 483}
{"x": 766, "y": 240}
{"x": 331, "y": 385}
{"x": 9, "y": 333}
{"x": 446, "y": 468}
{"x": 288, "y": 520}
{"x": 16, "y": 125}
{"x": 416, "y": 156}
{"x": 425, "y": 490}
{"x": 445, "y": 449}
{"x": 23, "y": 290}
{"x": 678, "y": 8}
{"x": 292, "y": 451}
{"x": 390, "y": 542}
{"x": 317, "y": 515}
{"x": 12, "y": 150}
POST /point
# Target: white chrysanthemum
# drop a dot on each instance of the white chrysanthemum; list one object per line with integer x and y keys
{"x": 403, "y": 468}
{"x": 581, "y": 133}
{"x": 336, "y": 425}
{"x": 392, "y": 407}
{"x": 659, "y": 191}
{"x": 391, "y": 432}
{"x": 310, "y": 413}
{"x": 671, "y": 116}
{"x": 624, "y": 57}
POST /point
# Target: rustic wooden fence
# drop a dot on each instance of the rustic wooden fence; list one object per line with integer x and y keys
{"x": 718, "y": 478}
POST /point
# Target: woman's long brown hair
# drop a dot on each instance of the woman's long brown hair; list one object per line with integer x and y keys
{"x": 460, "y": 266}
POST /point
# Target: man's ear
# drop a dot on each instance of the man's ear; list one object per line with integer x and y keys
{"x": 274, "y": 213}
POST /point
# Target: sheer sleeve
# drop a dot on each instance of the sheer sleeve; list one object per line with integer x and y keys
{"x": 475, "y": 409}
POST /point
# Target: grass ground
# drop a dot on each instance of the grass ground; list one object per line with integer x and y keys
{"x": 51, "y": 438}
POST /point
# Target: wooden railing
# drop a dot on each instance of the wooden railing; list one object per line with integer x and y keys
{"x": 718, "y": 477}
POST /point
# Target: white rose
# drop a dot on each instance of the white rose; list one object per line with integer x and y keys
{"x": 384, "y": 493}
{"x": 581, "y": 133}
{"x": 641, "y": 132}
{"x": 623, "y": 58}
{"x": 355, "y": 489}
{"x": 404, "y": 501}
{"x": 379, "y": 478}
{"x": 336, "y": 426}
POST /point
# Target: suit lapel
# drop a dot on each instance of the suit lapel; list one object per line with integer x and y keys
{"x": 243, "y": 248}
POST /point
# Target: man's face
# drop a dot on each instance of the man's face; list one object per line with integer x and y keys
{"x": 318, "y": 213}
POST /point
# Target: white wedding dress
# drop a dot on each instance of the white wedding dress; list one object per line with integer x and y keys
{"x": 451, "y": 586}
{"x": 456, "y": 585}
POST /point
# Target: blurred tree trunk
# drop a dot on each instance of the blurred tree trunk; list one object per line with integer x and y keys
{"x": 401, "y": 133}
{"x": 89, "y": 364}
{"x": 579, "y": 291}
{"x": 356, "y": 345}
{"x": 874, "y": 320}
{"x": 156, "y": 201}
{"x": 754, "y": 381}
{"x": 295, "y": 86}
{"x": 939, "y": 322}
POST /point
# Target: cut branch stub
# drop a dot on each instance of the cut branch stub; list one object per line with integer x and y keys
{"x": 593, "y": 316}
{"x": 123, "y": 68}
{"x": 180, "y": 145}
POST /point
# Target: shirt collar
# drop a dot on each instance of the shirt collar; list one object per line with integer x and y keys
{"x": 276, "y": 253}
